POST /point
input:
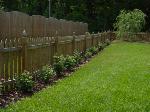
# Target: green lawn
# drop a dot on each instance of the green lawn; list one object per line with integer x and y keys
{"x": 118, "y": 79}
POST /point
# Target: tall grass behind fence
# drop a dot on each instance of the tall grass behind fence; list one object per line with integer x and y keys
{"x": 13, "y": 23}
{"x": 31, "y": 54}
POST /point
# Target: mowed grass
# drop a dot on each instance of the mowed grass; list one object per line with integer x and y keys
{"x": 118, "y": 79}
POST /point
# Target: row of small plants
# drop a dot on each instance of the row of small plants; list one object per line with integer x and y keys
{"x": 62, "y": 64}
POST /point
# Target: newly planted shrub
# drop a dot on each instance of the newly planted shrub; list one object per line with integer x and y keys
{"x": 59, "y": 65}
{"x": 46, "y": 73}
{"x": 82, "y": 54}
{"x": 24, "y": 82}
{"x": 107, "y": 42}
{"x": 77, "y": 57}
{"x": 93, "y": 50}
{"x": 100, "y": 46}
{"x": 70, "y": 62}
{"x": 87, "y": 54}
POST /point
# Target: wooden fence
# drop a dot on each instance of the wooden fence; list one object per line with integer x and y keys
{"x": 13, "y": 23}
{"x": 26, "y": 53}
{"x": 31, "y": 54}
{"x": 139, "y": 37}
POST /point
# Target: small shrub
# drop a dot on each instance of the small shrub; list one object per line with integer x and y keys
{"x": 46, "y": 73}
{"x": 93, "y": 50}
{"x": 107, "y": 42}
{"x": 24, "y": 82}
{"x": 59, "y": 64}
{"x": 100, "y": 46}
{"x": 82, "y": 54}
{"x": 77, "y": 57}
{"x": 35, "y": 75}
{"x": 70, "y": 62}
{"x": 1, "y": 6}
{"x": 87, "y": 54}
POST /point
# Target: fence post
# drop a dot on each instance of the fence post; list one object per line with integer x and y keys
{"x": 148, "y": 37}
{"x": 24, "y": 50}
{"x": 92, "y": 39}
{"x": 85, "y": 40}
{"x": 73, "y": 42}
{"x": 56, "y": 43}
{"x": 103, "y": 37}
{"x": 110, "y": 37}
{"x": 97, "y": 39}
{"x": 98, "y": 35}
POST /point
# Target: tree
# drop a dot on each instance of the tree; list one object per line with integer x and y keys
{"x": 129, "y": 22}
{"x": 1, "y": 5}
{"x": 99, "y": 14}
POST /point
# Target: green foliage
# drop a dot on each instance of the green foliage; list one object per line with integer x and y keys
{"x": 99, "y": 14}
{"x": 24, "y": 82}
{"x": 88, "y": 54}
{"x": 77, "y": 57}
{"x": 100, "y": 46}
{"x": 129, "y": 22}
{"x": 1, "y": 9}
{"x": 70, "y": 62}
{"x": 93, "y": 50}
{"x": 59, "y": 65}
{"x": 107, "y": 41}
{"x": 1, "y": 5}
{"x": 46, "y": 73}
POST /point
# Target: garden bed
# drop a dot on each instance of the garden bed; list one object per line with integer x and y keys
{"x": 15, "y": 95}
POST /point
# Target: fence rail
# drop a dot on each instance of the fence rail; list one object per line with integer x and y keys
{"x": 138, "y": 37}
{"x": 13, "y": 23}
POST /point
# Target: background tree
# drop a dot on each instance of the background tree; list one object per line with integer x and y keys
{"x": 99, "y": 14}
{"x": 129, "y": 22}
{"x": 1, "y": 5}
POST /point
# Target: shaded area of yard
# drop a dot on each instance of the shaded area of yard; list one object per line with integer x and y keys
{"x": 118, "y": 79}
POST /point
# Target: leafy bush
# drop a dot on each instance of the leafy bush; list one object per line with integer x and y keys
{"x": 1, "y": 6}
{"x": 59, "y": 64}
{"x": 70, "y": 62}
{"x": 46, "y": 73}
{"x": 82, "y": 54}
{"x": 107, "y": 42}
{"x": 129, "y": 22}
{"x": 24, "y": 82}
{"x": 87, "y": 54}
{"x": 93, "y": 50}
{"x": 100, "y": 46}
{"x": 77, "y": 57}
